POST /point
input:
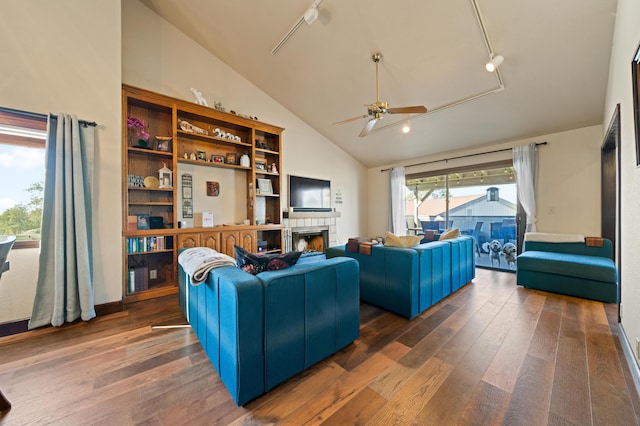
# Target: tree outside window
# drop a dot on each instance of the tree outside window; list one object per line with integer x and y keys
{"x": 22, "y": 161}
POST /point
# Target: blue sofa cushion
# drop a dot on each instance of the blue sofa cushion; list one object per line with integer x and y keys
{"x": 576, "y": 265}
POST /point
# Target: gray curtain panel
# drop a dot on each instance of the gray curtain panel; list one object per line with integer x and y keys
{"x": 64, "y": 290}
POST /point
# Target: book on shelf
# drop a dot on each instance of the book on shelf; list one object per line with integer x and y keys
{"x": 149, "y": 244}
{"x": 138, "y": 279}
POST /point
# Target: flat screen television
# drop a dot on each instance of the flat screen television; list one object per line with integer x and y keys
{"x": 309, "y": 195}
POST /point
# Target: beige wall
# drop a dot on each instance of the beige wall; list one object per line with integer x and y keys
{"x": 619, "y": 91}
{"x": 78, "y": 65}
{"x": 64, "y": 56}
{"x": 568, "y": 191}
{"x": 150, "y": 60}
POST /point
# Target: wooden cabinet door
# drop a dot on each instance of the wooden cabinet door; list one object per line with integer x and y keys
{"x": 188, "y": 240}
{"x": 227, "y": 240}
{"x": 248, "y": 241}
{"x": 211, "y": 240}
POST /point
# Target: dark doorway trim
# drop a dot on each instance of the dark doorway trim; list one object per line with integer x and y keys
{"x": 610, "y": 200}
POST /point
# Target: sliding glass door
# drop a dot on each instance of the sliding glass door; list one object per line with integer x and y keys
{"x": 480, "y": 202}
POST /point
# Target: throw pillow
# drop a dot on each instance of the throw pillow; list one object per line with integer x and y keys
{"x": 449, "y": 233}
{"x": 256, "y": 263}
{"x": 402, "y": 241}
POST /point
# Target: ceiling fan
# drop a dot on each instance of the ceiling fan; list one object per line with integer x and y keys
{"x": 378, "y": 109}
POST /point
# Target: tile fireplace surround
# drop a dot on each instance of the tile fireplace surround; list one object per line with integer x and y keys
{"x": 303, "y": 221}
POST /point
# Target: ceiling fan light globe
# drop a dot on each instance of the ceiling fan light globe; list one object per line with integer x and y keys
{"x": 406, "y": 128}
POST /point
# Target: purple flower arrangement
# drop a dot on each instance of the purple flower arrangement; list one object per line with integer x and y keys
{"x": 137, "y": 126}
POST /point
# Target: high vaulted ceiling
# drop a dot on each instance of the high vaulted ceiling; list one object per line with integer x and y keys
{"x": 555, "y": 68}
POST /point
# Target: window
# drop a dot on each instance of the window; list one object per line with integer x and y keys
{"x": 481, "y": 201}
{"x": 22, "y": 164}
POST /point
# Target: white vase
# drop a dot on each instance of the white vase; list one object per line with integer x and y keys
{"x": 245, "y": 161}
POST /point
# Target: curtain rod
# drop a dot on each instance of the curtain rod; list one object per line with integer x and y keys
{"x": 39, "y": 116}
{"x": 82, "y": 122}
{"x": 460, "y": 156}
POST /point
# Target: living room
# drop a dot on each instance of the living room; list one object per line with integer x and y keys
{"x": 80, "y": 66}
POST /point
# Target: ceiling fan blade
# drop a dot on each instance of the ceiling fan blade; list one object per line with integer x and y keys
{"x": 368, "y": 127}
{"x": 352, "y": 119}
{"x": 408, "y": 110}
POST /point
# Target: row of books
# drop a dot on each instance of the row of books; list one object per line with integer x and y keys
{"x": 138, "y": 279}
{"x": 146, "y": 244}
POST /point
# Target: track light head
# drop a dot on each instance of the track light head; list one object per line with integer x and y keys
{"x": 495, "y": 62}
{"x": 311, "y": 15}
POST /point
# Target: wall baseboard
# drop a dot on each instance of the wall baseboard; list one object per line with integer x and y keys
{"x": 17, "y": 327}
{"x": 630, "y": 357}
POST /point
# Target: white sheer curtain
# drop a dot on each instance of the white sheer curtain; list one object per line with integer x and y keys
{"x": 397, "y": 204}
{"x": 64, "y": 290}
{"x": 525, "y": 163}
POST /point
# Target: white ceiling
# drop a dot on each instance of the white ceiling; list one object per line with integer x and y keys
{"x": 555, "y": 69}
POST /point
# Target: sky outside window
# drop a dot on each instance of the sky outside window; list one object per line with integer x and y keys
{"x": 20, "y": 167}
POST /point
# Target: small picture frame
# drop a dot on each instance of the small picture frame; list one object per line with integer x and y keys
{"x": 231, "y": 158}
{"x": 213, "y": 189}
{"x": 264, "y": 187}
{"x": 217, "y": 159}
{"x": 143, "y": 221}
{"x": 202, "y": 155}
{"x": 163, "y": 143}
{"x": 261, "y": 165}
{"x": 187, "y": 192}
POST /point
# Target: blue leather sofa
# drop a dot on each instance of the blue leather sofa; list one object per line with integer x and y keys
{"x": 407, "y": 281}
{"x": 574, "y": 269}
{"x": 260, "y": 330}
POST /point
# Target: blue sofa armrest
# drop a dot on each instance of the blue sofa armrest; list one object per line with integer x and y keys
{"x": 435, "y": 272}
{"x": 226, "y": 313}
{"x": 463, "y": 261}
{"x": 388, "y": 278}
{"x": 311, "y": 311}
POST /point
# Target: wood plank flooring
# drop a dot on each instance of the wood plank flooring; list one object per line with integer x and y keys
{"x": 492, "y": 353}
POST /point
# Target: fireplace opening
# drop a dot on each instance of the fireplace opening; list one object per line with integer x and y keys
{"x": 309, "y": 239}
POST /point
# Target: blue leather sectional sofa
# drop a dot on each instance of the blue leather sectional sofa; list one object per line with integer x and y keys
{"x": 260, "y": 330}
{"x": 407, "y": 281}
{"x": 574, "y": 269}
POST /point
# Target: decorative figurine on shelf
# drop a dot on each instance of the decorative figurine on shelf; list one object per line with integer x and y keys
{"x": 186, "y": 156}
{"x": 245, "y": 161}
{"x": 165, "y": 177}
{"x": 274, "y": 169}
{"x": 200, "y": 100}
{"x": 193, "y": 156}
{"x": 218, "y": 105}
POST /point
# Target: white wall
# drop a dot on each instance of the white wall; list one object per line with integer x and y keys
{"x": 158, "y": 57}
{"x": 64, "y": 56}
{"x": 568, "y": 191}
{"x": 619, "y": 90}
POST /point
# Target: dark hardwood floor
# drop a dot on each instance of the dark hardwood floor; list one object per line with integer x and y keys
{"x": 493, "y": 353}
